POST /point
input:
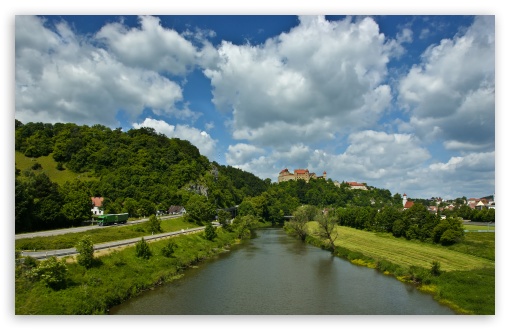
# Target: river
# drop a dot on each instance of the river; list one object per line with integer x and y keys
{"x": 277, "y": 274}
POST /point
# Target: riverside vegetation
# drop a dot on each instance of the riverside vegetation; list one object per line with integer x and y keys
{"x": 60, "y": 166}
{"x": 461, "y": 276}
{"x": 58, "y": 287}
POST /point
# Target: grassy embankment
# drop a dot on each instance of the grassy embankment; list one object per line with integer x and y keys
{"x": 116, "y": 277}
{"x": 99, "y": 235}
{"x": 466, "y": 283}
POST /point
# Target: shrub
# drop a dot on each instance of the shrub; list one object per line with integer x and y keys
{"x": 142, "y": 249}
{"x": 154, "y": 224}
{"x": 450, "y": 237}
{"x": 52, "y": 272}
{"x": 210, "y": 231}
{"x": 435, "y": 269}
{"x": 85, "y": 248}
{"x": 168, "y": 250}
{"x": 36, "y": 166}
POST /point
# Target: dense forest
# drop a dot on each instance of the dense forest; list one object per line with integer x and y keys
{"x": 138, "y": 171}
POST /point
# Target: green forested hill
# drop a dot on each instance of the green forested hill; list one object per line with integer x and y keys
{"x": 138, "y": 171}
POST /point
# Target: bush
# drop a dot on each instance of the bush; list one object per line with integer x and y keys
{"x": 168, "y": 250}
{"x": 142, "y": 249}
{"x": 154, "y": 224}
{"x": 210, "y": 232}
{"x": 435, "y": 270}
{"x": 52, "y": 272}
{"x": 36, "y": 166}
{"x": 450, "y": 237}
{"x": 85, "y": 248}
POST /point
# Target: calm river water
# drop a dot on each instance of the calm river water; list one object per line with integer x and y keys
{"x": 277, "y": 274}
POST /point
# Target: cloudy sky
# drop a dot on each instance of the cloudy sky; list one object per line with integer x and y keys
{"x": 405, "y": 103}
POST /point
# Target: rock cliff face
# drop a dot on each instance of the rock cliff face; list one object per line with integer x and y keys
{"x": 198, "y": 189}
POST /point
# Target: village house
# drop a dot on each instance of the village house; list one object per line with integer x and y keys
{"x": 176, "y": 209}
{"x": 299, "y": 174}
{"x": 481, "y": 203}
{"x": 97, "y": 204}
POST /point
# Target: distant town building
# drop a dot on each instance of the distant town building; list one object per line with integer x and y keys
{"x": 299, "y": 174}
{"x": 481, "y": 203}
{"x": 407, "y": 204}
{"x": 357, "y": 185}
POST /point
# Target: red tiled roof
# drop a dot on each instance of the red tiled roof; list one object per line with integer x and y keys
{"x": 355, "y": 184}
{"x": 300, "y": 171}
{"x": 284, "y": 170}
{"x": 97, "y": 201}
{"x": 408, "y": 205}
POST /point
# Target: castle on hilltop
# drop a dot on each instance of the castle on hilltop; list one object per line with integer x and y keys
{"x": 299, "y": 174}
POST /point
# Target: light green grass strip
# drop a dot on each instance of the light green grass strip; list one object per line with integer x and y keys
{"x": 403, "y": 252}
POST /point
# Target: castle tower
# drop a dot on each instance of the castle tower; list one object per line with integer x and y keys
{"x": 404, "y": 200}
{"x": 324, "y": 175}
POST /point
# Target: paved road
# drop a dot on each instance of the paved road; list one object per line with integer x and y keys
{"x": 107, "y": 245}
{"x": 84, "y": 228}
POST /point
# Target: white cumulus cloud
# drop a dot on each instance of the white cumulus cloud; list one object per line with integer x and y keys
{"x": 201, "y": 139}
{"x": 451, "y": 93}
{"x": 64, "y": 77}
{"x": 319, "y": 79}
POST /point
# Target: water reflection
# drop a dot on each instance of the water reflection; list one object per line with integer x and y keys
{"x": 277, "y": 274}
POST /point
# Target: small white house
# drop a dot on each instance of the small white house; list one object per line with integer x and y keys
{"x": 97, "y": 204}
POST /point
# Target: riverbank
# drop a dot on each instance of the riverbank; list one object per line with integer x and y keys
{"x": 465, "y": 283}
{"x": 116, "y": 277}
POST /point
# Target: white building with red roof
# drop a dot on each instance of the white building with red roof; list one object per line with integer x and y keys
{"x": 97, "y": 203}
{"x": 407, "y": 204}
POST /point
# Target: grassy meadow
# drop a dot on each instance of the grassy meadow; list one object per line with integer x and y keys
{"x": 466, "y": 282}
{"x": 49, "y": 166}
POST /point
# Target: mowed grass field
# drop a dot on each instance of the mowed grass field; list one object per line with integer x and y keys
{"x": 382, "y": 246}
{"x": 49, "y": 166}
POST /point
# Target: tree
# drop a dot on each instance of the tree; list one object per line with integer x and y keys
{"x": 154, "y": 224}
{"x": 199, "y": 209}
{"x": 448, "y": 231}
{"x": 298, "y": 224}
{"x": 327, "y": 228}
{"x": 244, "y": 224}
{"x": 210, "y": 231}
{"x": 142, "y": 249}
{"x": 76, "y": 206}
{"x": 224, "y": 218}
{"x": 85, "y": 248}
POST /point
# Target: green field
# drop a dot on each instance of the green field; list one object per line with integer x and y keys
{"x": 49, "y": 166}
{"x": 480, "y": 227}
{"x": 466, "y": 282}
{"x": 406, "y": 253}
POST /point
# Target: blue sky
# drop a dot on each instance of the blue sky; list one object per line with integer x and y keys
{"x": 405, "y": 103}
